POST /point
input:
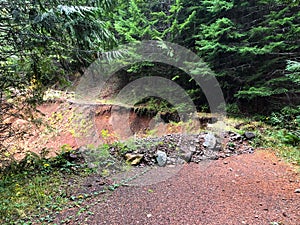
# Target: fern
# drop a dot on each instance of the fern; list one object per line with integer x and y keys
{"x": 293, "y": 68}
{"x": 254, "y": 92}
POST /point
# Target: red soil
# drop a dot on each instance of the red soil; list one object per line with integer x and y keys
{"x": 246, "y": 189}
{"x": 67, "y": 119}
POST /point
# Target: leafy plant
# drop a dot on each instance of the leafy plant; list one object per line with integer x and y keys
{"x": 293, "y": 67}
{"x": 232, "y": 109}
{"x": 36, "y": 186}
{"x": 287, "y": 118}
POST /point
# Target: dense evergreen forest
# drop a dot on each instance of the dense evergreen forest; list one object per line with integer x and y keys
{"x": 50, "y": 168}
{"x": 252, "y": 46}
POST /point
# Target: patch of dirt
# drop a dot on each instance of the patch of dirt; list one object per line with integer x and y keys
{"x": 242, "y": 189}
{"x": 249, "y": 189}
{"x": 75, "y": 125}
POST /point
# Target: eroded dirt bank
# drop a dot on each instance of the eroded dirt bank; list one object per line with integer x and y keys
{"x": 75, "y": 125}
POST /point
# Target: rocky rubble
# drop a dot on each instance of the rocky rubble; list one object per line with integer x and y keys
{"x": 175, "y": 149}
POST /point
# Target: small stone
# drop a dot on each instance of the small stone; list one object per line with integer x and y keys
{"x": 161, "y": 158}
{"x": 91, "y": 165}
{"x": 171, "y": 166}
{"x": 284, "y": 214}
{"x": 73, "y": 156}
{"x": 134, "y": 159}
{"x": 82, "y": 149}
{"x": 192, "y": 148}
{"x": 249, "y": 135}
{"x": 256, "y": 216}
{"x": 225, "y": 162}
{"x": 210, "y": 141}
{"x": 237, "y": 136}
{"x": 180, "y": 161}
{"x": 232, "y": 134}
{"x": 149, "y": 215}
{"x": 171, "y": 161}
{"x": 222, "y": 155}
{"x": 187, "y": 156}
{"x": 297, "y": 190}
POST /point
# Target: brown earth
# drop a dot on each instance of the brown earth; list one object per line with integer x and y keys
{"x": 245, "y": 189}
{"x": 76, "y": 125}
{"x": 251, "y": 189}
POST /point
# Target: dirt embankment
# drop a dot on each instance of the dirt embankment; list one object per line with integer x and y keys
{"x": 74, "y": 125}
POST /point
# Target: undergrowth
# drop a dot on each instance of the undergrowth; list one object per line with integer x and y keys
{"x": 282, "y": 142}
{"x": 36, "y": 188}
{"x": 279, "y": 131}
{"x": 283, "y": 133}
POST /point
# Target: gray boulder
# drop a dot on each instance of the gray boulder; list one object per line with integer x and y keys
{"x": 161, "y": 158}
{"x": 210, "y": 141}
{"x": 249, "y": 135}
{"x": 186, "y": 156}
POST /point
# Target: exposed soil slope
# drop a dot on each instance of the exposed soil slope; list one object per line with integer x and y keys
{"x": 75, "y": 125}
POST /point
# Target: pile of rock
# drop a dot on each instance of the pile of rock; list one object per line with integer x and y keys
{"x": 174, "y": 149}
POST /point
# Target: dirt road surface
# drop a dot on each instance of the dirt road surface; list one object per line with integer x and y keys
{"x": 249, "y": 189}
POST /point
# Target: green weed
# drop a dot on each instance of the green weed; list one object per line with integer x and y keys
{"x": 281, "y": 135}
{"x": 35, "y": 188}
{"x": 25, "y": 196}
